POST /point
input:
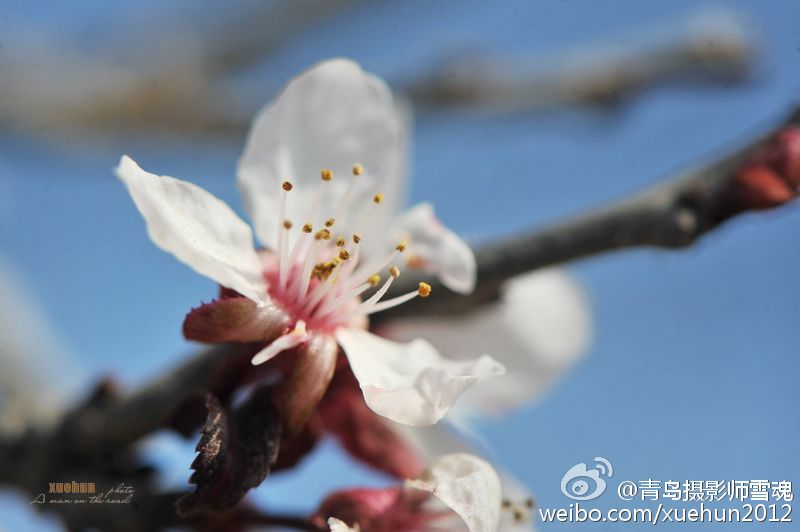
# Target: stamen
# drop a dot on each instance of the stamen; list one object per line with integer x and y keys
{"x": 323, "y": 271}
{"x": 394, "y": 273}
{"x": 282, "y": 240}
{"x": 297, "y": 249}
{"x": 340, "y": 209}
{"x": 363, "y": 270}
{"x": 424, "y": 289}
{"x": 341, "y": 279}
{"x": 326, "y": 176}
{"x": 340, "y": 300}
{"x": 302, "y": 287}
{"x": 389, "y": 303}
{"x": 344, "y": 273}
{"x": 283, "y": 271}
{"x": 289, "y": 340}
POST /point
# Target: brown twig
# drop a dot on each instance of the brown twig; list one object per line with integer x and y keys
{"x": 672, "y": 215}
{"x": 193, "y": 93}
{"x": 717, "y": 54}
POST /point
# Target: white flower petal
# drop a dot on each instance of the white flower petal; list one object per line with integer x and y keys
{"x": 539, "y": 329}
{"x": 440, "y": 439}
{"x": 337, "y": 525}
{"x": 333, "y": 116}
{"x": 441, "y": 251}
{"x": 197, "y": 228}
{"x": 469, "y": 486}
{"x": 410, "y": 383}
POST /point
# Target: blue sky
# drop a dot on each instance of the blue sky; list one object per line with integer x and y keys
{"x": 692, "y": 372}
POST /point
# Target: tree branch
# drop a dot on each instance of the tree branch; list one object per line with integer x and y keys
{"x": 672, "y": 215}
{"x": 195, "y": 93}
{"x": 719, "y": 51}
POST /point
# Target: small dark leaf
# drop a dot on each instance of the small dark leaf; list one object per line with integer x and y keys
{"x": 236, "y": 452}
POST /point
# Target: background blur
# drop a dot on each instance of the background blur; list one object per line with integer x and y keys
{"x": 693, "y": 370}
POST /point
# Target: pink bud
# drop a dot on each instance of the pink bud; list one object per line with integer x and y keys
{"x": 759, "y": 187}
{"x": 788, "y": 150}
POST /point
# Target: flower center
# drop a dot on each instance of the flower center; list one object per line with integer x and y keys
{"x": 318, "y": 280}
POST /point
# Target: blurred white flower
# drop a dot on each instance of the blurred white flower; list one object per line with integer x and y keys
{"x": 431, "y": 443}
{"x": 329, "y": 238}
{"x": 337, "y": 525}
{"x": 538, "y": 329}
{"x": 457, "y": 492}
{"x": 35, "y": 377}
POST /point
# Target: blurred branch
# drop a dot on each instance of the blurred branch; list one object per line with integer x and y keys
{"x": 186, "y": 89}
{"x": 763, "y": 174}
{"x": 248, "y": 36}
{"x": 718, "y": 51}
{"x": 193, "y": 91}
{"x": 95, "y": 441}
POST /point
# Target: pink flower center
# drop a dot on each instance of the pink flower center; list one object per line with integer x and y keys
{"x": 319, "y": 279}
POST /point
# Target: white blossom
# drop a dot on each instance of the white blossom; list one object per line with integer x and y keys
{"x": 321, "y": 176}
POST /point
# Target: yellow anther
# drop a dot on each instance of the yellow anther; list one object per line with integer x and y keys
{"x": 377, "y": 198}
{"x": 519, "y": 515}
{"x": 340, "y": 241}
{"x": 287, "y": 224}
{"x": 307, "y": 228}
{"x": 329, "y": 222}
{"x": 394, "y": 271}
{"x": 358, "y": 169}
{"x": 529, "y": 502}
{"x": 506, "y": 503}
{"x": 401, "y": 246}
{"x": 323, "y": 270}
{"x": 326, "y": 174}
{"x": 344, "y": 254}
{"x": 325, "y": 234}
{"x": 319, "y": 234}
{"x": 356, "y": 238}
{"x": 424, "y": 290}
{"x": 374, "y": 279}
{"x": 287, "y": 186}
